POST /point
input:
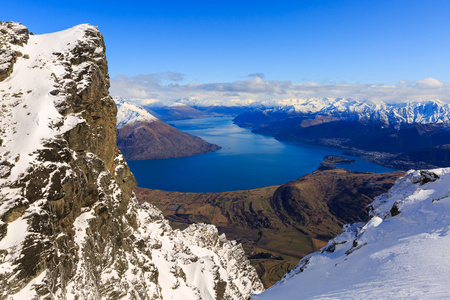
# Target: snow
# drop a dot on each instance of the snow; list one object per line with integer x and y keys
{"x": 29, "y": 291}
{"x": 401, "y": 256}
{"x": 200, "y": 253}
{"x": 158, "y": 262}
{"x": 129, "y": 113}
{"x": 80, "y": 226}
{"x": 12, "y": 244}
{"x": 25, "y": 122}
{"x": 422, "y": 112}
{"x": 29, "y": 118}
{"x": 17, "y": 232}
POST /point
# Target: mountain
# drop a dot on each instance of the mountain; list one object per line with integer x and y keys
{"x": 380, "y": 132}
{"x": 177, "y": 111}
{"x": 141, "y": 136}
{"x": 180, "y": 111}
{"x": 427, "y": 112}
{"x": 369, "y": 110}
{"x": 129, "y": 113}
{"x": 70, "y": 224}
{"x": 278, "y": 225}
{"x": 362, "y": 127}
{"x": 399, "y": 253}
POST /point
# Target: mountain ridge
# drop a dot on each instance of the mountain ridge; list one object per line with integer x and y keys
{"x": 398, "y": 253}
{"x": 363, "y": 110}
{"x": 70, "y": 224}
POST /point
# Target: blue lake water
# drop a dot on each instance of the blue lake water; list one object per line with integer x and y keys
{"x": 246, "y": 161}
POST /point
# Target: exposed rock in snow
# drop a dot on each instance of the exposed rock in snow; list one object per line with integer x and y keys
{"x": 400, "y": 253}
{"x": 70, "y": 225}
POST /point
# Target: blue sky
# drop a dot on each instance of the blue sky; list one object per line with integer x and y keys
{"x": 326, "y": 42}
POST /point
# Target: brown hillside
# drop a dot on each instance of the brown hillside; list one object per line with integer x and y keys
{"x": 157, "y": 139}
{"x": 287, "y": 221}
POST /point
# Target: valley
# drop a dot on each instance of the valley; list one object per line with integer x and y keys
{"x": 245, "y": 161}
{"x": 223, "y": 151}
{"x": 280, "y": 224}
{"x": 399, "y": 136}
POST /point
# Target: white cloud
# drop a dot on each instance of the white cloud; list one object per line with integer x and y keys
{"x": 429, "y": 83}
{"x": 151, "y": 88}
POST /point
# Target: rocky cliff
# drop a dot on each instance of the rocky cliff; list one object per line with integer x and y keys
{"x": 70, "y": 225}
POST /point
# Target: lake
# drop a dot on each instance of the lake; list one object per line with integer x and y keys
{"x": 246, "y": 161}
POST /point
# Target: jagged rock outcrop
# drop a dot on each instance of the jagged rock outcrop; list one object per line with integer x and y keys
{"x": 10, "y": 34}
{"x": 70, "y": 225}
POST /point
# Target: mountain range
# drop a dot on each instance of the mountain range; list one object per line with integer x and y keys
{"x": 400, "y": 135}
{"x": 71, "y": 226}
{"x": 369, "y": 110}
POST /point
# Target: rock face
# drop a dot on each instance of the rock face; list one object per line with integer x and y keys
{"x": 10, "y": 34}
{"x": 70, "y": 225}
{"x": 142, "y": 136}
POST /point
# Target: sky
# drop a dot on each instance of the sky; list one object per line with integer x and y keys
{"x": 392, "y": 50}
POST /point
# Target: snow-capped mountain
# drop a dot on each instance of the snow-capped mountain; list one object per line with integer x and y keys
{"x": 129, "y": 113}
{"x": 400, "y": 253}
{"x": 140, "y": 135}
{"x": 427, "y": 112}
{"x": 70, "y": 224}
{"x": 424, "y": 112}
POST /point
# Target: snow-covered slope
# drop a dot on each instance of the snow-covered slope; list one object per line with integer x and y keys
{"x": 129, "y": 113}
{"x": 70, "y": 224}
{"x": 401, "y": 253}
{"x": 26, "y": 124}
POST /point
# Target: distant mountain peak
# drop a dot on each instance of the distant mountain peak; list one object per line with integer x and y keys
{"x": 129, "y": 113}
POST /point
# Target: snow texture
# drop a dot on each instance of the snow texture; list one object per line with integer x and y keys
{"x": 400, "y": 253}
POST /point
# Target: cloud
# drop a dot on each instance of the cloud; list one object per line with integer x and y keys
{"x": 260, "y": 75}
{"x": 429, "y": 83}
{"x": 175, "y": 76}
{"x": 166, "y": 88}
